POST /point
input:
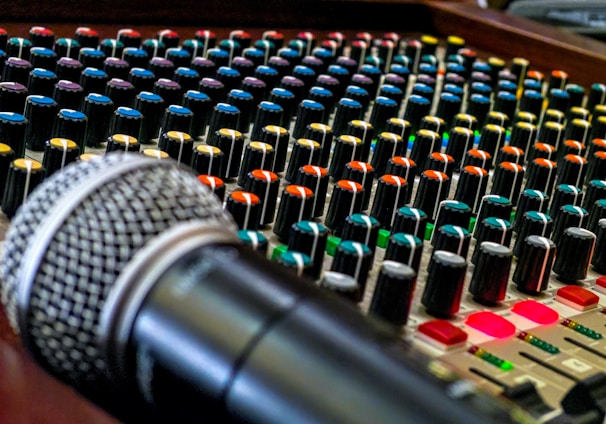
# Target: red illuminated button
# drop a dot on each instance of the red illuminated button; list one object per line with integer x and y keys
{"x": 577, "y": 297}
{"x": 491, "y": 324}
{"x": 600, "y": 284}
{"x": 443, "y": 332}
{"x": 536, "y": 312}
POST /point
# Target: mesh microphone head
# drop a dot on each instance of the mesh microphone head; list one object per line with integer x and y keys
{"x": 69, "y": 241}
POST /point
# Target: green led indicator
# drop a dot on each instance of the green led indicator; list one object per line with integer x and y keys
{"x": 411, "y": 139}
{"x": 331, "y": 245}
{"x": 512, "y": 216}
{"x": 588, "y": 332}
{"x": 278, "y": 250}
{"x": 547, "y": 347}
{"x": 506, "y": 366}
{"x": 428, "y": 231}
{"x": 472, "y": 224}
{"x": 383, "y": 238}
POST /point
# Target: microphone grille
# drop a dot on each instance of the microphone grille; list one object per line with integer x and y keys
{"x": 122, "y": 201}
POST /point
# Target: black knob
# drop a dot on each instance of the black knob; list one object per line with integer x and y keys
{"x": 394, "y": 290}
{"x": 533, "y": 223}
{"x": 523, "y": 135}
{"x": 596, "y": 189}
{"x": 231, "y": 143}
{"x": 405, "y": 248}
{"x": 444, "y": 286}
{"x": 296, "y": 203}
{"x": 363, "y": 173}
{"x": 208, "y": 160}
{"x": 507, "y": 181}
{"x": 40, "y": 111}
{"x": 387, "y": 146}
{"x": 298, "y": 262}
{"x": 596, "y": 213}
{"x": 390, "y": 196}
{"x": 453, "y": 212}
{"x": 365, "y": 131}
{"x": 451, "y": 238}
{"x": 304, "y": 152}
{"x": 214, "y": 184}
{"x": 224, "y": 116}
{"x": 122, "y": 142}
{"x": 68, "y": 69}
{"x": 24, "y": 175}
{"x": 599, "y": 256}
{"x": 426, "y": 142}
{"x": 278, "y": 138}
{"x": 122, "y": 92}
{"x": 492, "y": 229}
{"x": 534, "y": 264}
{"x": 511, "y": 154}
{"x": 179, "y": 145}
{"x": 316, "y": 179}
{"x": 128, "y": 121}
{"x": 363, "y": 228}
{"x": 565, "y": 194}
{"x": 571, "y": 170}
{"x": 541, "y": 175}
{"x": 152, "y": 107}
{"x": 460, "y": 140}
{"x": 92, "y": 57}
{"x": 16, "y": 70}
{"x": 58, "y": 153}
{"x": 346, "y": 199}
{"x": 471, "y": 186}
{"x": 268, "y": 113}
{"x": 245, "y": 208}
{"x": 346, "y": 110}
{"x": 490, "y": 276}
{"x": 323, "y": 134}
{"x": 310, "y": 237}
{"x": 494, "y": 205}
{"x": 353, "y": 258}
{"x": 201, "y": 106}
{"x": 71, "y": 124}
{"x": 12, "y": 96}
{"x": 93, "y": 80}
{"x": 42, "y": 82}
{"x": 347, "y": 148}
{"x": 479, "y": 158}
{"x": 244, "y": 101}
{"x": 432, "y": 189}
{"x": 405, "y": 168}
{"x": 568, "y": 216}
{"x": 255, "y": 239}
{"x": 257, "y": 155}
{"x": 410, "y": 221}
{"x": 575, "y": 249}
{"x": 530, "y": 200}
{"x": 341, "y": 284}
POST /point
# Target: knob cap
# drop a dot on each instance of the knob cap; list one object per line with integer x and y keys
{"x": 491, "y": 273}
{"x": 575, "y": 251}
{"x": 353, "y": 258}
{"x": 534, "y": 264}
{"x": 394, "y": 290}
{"x": 444, "y": 286}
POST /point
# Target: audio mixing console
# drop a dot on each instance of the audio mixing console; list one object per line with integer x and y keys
{"x": 456, "y": 194}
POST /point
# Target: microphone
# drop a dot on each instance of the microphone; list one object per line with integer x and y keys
{"x": 126, "y": 280}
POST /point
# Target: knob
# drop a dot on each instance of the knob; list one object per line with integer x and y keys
{"x": 575, "y": 249}
{"x": 490, "y": 276}
{"x": 444, "y": 285}
{"x": 353, "y": 258}
{"x": 310, "y": 237}
{"x": 394, "y": 290}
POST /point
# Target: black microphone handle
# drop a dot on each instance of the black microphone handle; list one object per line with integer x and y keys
{"x": 219, "y": 329}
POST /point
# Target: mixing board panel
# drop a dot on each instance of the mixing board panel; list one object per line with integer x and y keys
{"x": 464, "y": 197}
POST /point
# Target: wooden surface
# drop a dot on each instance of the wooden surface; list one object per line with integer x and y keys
{"x": 28, "y": 394}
